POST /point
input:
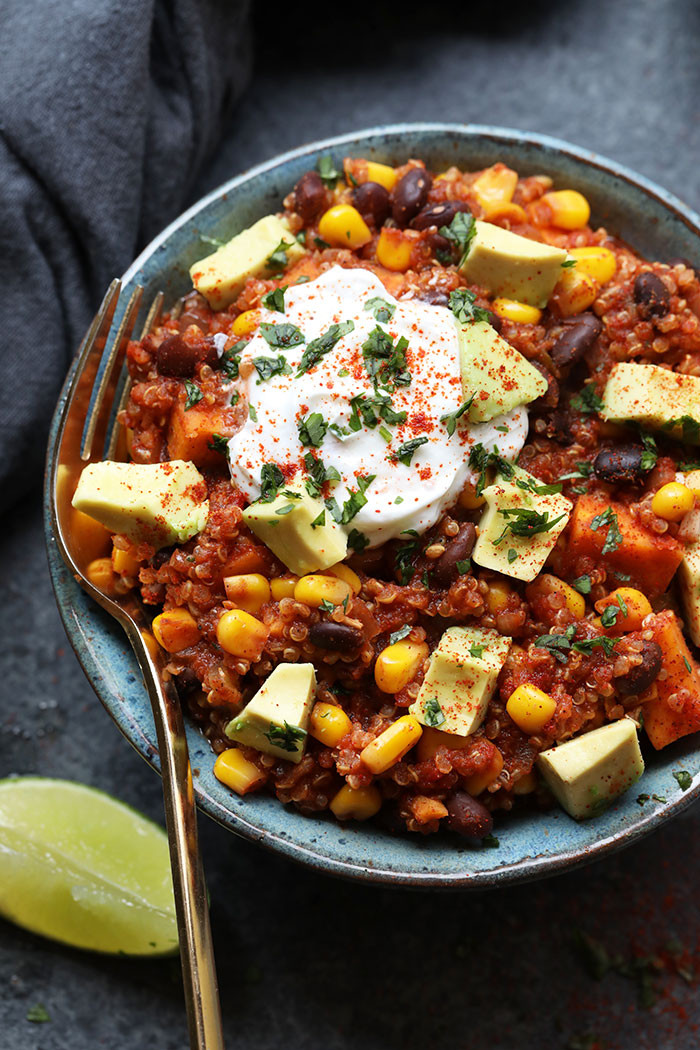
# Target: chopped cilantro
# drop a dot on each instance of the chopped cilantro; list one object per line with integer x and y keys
{"x": 526, "y": 522}
{"x": 357, "y": 541}
{"x": 318, "y": 348}
{"x": 281, "y": 336}
{"x": 38, "y": 1014}
{"x": 286, "y": 737}
{"x": 608, "y": 617}
{"x": 327, "y": 170}
{"x": 462, "y": 306}
{"x": 614, "y": 536}
{"x": 214, "y": 241}
{"x": 343, "y": 372}
{"x": 490, "y": 842}
{"x": 557, "y": 645}
{"x": 399, "y": 499}
{"x": 326, "y": 606}
{"x": 312, "y": 430}
{"x": 460, "y": 233}
{"x": 278, "y": 259}
{"x": 382, "y": 310}
{"x": 286, "y": 508}
{"x": 385, "y": 434}
{"x": 567, "y": 263}
{"x": 385, "y": 362}
{"x": 689, "y": 427}
{"x": 404, "y": 564}
{"x": 512, "y": 555}
{"x": 684, "y": 779}
{"x": 450, "y": 419}
{"x": 267, "y": 367}
{"x": 353, "y": 504}
{"x": 587, "y": 401}
{"x": 589, "y": 644}
{"x": 194, "y": 394}
{"x": 539, "y": 490}
{"x": 230, "y": 358}
{"x": 641, "y": 799}
{"x": 582, "y": 584}
{"x": 320, "y": 243}
{"x": 477, "y": 651}
{"x": 252, "y": 413}
{"x": 463, "y": 566}
{"x": 319, "y": 521}
{"x": 432, "y": 713}
{"x": 271, "y": 481}
{"x": 405, "y": 453}
{"x": 304, "y": 279}
{"x": 274, "y": 300}
{"x": 235, "y": 398}
{"x": 318, "y": 474}
{"x": 218, "y": 444}
{"x": 369, "y": 410}
{"x": 686, "y": 661}
{"x": 623, "y": 605}
{"x": 650, "y": 454}
{"x": 400, "y": 634}
{"x": 480, "y": 459}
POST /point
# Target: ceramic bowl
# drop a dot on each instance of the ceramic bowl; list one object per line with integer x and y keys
{"x": 532, "y": 845}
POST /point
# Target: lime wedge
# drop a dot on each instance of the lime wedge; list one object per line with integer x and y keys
{"x": 81, "y": 867}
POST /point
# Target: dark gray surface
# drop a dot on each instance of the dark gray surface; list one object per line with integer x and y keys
{"x": 305, "y": 961}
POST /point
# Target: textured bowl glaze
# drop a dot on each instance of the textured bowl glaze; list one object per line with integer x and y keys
{"x": 532, "y": 845}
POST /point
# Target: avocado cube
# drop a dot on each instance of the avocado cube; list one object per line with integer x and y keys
{"x": 461, "y": 679}
{"x": 585, "y": 774}
{"x": 512, "y": 266}
{"x": 520, "y": 526}
{"x": 499, "y": 376}
{"x": 654, "y": 397}
{"x": 220, "y": 277}
{"x": 299, "y": 529}
{"x": 156, "y": 503}
{"x": 275, "y": 720}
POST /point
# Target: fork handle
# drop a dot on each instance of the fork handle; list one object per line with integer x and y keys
{"x": 191, "y": 908}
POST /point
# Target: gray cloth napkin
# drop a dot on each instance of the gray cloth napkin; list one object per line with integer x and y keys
{"x": 108, "y": 109}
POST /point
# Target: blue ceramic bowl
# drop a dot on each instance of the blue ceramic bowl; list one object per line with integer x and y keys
{"x": 532, "y": 845}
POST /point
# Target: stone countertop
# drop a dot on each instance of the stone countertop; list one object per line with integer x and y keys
{"x": 304, "y": 960}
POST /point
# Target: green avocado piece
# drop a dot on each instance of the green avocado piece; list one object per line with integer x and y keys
{"x": 512, "y": 266}
{"x": 288, "y": 527}
{"x": 220, "y": 276}
{"x": 498, "y": 547}
{"x": 689, "y": 571}
{"x": 156, "y": 503}
{"x": 496, "y": 373}
{"x": 585, "y": 774}
{"x": 461, "y": 679}
{"x": 654, "y": 397}
{"x": 276, "y": 719}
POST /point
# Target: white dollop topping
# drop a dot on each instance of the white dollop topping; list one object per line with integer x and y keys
{"x": 402, "y": 495}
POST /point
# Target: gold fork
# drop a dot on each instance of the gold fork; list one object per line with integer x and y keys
{"x": 88, "y": 432}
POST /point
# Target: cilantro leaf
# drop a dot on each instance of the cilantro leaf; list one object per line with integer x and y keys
{"x": 357, "y": 541}
{"x": 582, "y": 584}
{"x": 277, "y": 260}
{"x": 312, "y": 429}
{"x": 432, "y": 713}
{"x": 398, "y": 636}
{"x": 281, "y": 336}
{"x": 384, "y": 361}
{"x": 218, "y": 444}
{"x": 252, "y": 413}
{"x": 271, "y": 481}
{"x": 327, "y": 170}
{"x": 450, "y": 418}
{"x": 405, "y": 453}
{"x": 194, "y": 394}
{"x": 382, "y": 310}
{"x": 285, "y": 737}
{"x": 267, "y": 367}
{"x": 684, "y": 779}
{"x": 230, "y": 358}
{"x": 403, "y": 560}
{"x": 319, "y": 521}
{"x": 321, "y": 346}
{"x": 650, "y": 454}
{"x": 689, "y": 427}
{"x": 480, "y": 459}
{"x": 609, "y": 615}
{"x": 526, "y": 522}
{"x": 460, "y": 233}
{"x": 587, "y": 401}
{"x": 614, "y": 536}
{"x": 274, "y": 300}
{"x": 462, "y": 306}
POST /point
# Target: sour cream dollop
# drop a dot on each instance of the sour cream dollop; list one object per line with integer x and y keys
{"x": 402, "y": 495}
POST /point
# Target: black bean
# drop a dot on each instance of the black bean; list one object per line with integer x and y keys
{"x": 651, "y": 295}
{"x": 680, "y": 260}
{"x": 620, "y": 464}
{"x": 438, "y": 215}
{"x": 434, "y": 296}
{"x": 328, "y": 635}
{"x": 550, "y": 398}
{"x": 187, "y": 682}
{"x": 161, "y": 557}
{"x": 494, "y": 320}
{"x": 409, "y": 195}
{"x": 559, "y": 427}
{"x": 437, "y": 243}
{"x": 467, "y": 816}
{"x": 576, "y": 339}
{"x": 309, "y": 196}
{"x": 444, "y": 570}
{"x": 372, "y": 202}
{"x": 643, "y": 674}
{"x": 176, "y": 357}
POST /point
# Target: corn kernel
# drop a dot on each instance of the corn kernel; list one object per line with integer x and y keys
{"x": 91, "y": 537}
{"x": 236, "y": 772}
{"x": 151, "y": 644}
{"x": 246, "y": 323}
{"x": 283, "y": 587}
{"x": 673, "y": 501}
{"x": 598, "y": 262}
{"x": 495, "y": 185}
{"x": 478, "y": 782}
{"x": 329, "y": 724}
{"x": 249, "y": 591}
{"x": 393, "y": 250}
{"x": 314, "y": 589}
{"x": 101, "y": 575}
{"x": 432, "y": 739}
{"x": 631, "y": 605}
{"x": 343, "y": 226}
{"x": 526, "y": 784}
{"x": 512, "y": 310}
{"x": 570, "y": 209}
{"x": 175, "y": 629}
{"x": 344, "y": 572}
{"x": 546, "y": 584}
{"x": 397, "y": 665}
{"x": 469, "y": 500}
{"x": 124, "y": 563}
{"x": 497, "y": 596}
{"x": 530, "y": 707}
{"x": 382, "y": 174}
{"x": 240, "y": 634}
{"x": 390, "y": 746}
{"x": 574, "y": 292}
{"x": 510, "y": 212}
{"x": 356, "y": 803}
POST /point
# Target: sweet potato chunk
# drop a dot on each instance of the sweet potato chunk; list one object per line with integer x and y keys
{"x": 665, "y": 722}
{"x": 649, "y": 560}
{"x": 192, "y": 430}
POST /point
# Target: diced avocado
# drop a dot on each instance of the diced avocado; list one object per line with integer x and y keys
{"x": 220, "y": 276}
{"x": 689, "y": 581}
{"x": 587, "y": 773}
{"x": 275, "y": 720}
{"x": 299, "y": 529}
{"x": 496, "y": 373}
{"x": 461, "y": 679}
{"x": 157, "y": 503}
{"x": 654, "y": 397}
{"x": 520, "y": 525}
{"x": 512, "y": 266}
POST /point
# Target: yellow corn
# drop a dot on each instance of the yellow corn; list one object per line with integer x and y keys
{"x": 495, "y": 185}
{"x": 101, "y": 575}
{"x": 314, "y": 589}
{"x": 236, "y": 772}
{"x": 598, "y": 262}
{"x": 512, "y": 310}
{"x": 632, "y": 607}
{"x": 397, "y": 665}
{"x": 469, "y": 499}
{"x": 283, "y": 587}
{"x": 175, "y": 629}
{"x": 530, "y": 707}
{"x": 570, "y": 209}
{"x": 673, "y": 501}
{"x": 478, "y": 782}
{"x": 382, "y": 174}
{"x": 90, "y": 536}
{"x": 329, "y": 724}
{"x": 546, "y": 584}
{"x": 432, "y": 739}
{"x": 249, "y": 591}
{"x": 512, "y": 212}
{"x": 356, "y": 803}
{"x": 240, "y": 634}
{"x": 123, "y": 563}
{"x": 391, "y": 745}
{"x": 343, "y": 226}
{"x": 344, "y": 572}
{"x": 574, "y": 292}
{"x": 246, "y": 323}
{"x": 526, "y": 785}
{"x": 393, "y": 250}
{"x": 497, "y": 596}
{"x": 151, "y": 644}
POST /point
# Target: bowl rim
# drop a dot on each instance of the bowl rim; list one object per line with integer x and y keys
{"x": 531, "y": 867}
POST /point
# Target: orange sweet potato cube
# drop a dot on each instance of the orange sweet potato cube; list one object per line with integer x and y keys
{"x": 192, "y": 430}
{"x": 666, "y": 722}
